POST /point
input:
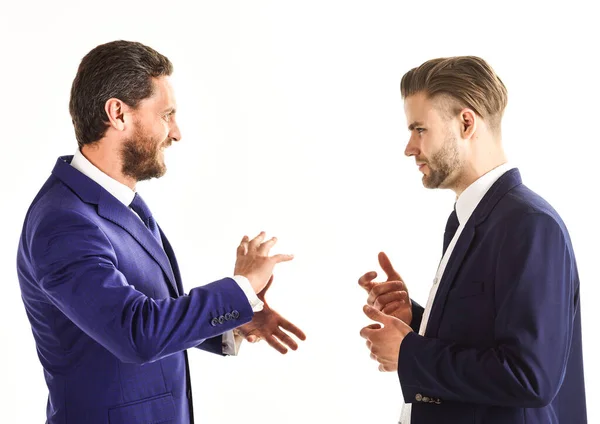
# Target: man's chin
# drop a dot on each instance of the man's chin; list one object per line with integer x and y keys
{"x": 428, "y": 182}
{"x": 160, "y": 171}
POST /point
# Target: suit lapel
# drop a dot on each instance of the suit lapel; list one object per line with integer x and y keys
{"x": 173, "y": 261}
{"x": 505, "y": 183}
{"x": 113, "y": 210}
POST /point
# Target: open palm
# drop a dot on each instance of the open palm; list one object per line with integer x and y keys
{"x": 269, "y": 325}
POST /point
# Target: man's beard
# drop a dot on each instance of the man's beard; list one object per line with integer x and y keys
{"x": 442, "y": 164}
{"x": 141, "y": 156}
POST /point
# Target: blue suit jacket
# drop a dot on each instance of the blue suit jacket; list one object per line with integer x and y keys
{"x": 503, "y": 341}
{"x": 108, "y": 312}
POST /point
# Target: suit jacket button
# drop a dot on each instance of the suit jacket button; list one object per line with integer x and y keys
{"x": 418, "y": 397}
{"x": 425, "y": 399}
{"x": 228, "y": 316}
{"x": 214, "y": 322}
{"x": 235, "y": 314}
{"x": 221, "y": 319}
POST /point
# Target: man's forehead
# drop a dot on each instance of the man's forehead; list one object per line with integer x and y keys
{"x": 416, "y": 102}
{"x": 420, "y": 107}
{"x": 415, "y": 108}
{"x": 163, "y": 92}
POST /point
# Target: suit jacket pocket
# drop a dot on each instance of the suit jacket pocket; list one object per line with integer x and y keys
{"x": 154, "y": 410}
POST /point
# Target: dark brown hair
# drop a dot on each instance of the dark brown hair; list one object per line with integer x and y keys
{"x": 119, "y": 69}
{"x": 467, "y": 80}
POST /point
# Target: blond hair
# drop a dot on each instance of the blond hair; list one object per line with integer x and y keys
{"x": 467, "y": 80}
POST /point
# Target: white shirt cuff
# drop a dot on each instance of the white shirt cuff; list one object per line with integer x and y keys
{"x": 255, "y": 302}
{"x": 230, "y": 347}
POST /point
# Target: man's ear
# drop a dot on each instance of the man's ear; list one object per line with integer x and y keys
{"x": 468, "y": 123}
{"x": 115, "y": 112}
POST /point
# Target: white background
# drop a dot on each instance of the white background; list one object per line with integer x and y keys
{"x": 293, "y": 123}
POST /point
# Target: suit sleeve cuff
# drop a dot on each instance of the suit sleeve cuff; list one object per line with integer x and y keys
{"x": 255, "y": 302}
{"x": 406, "y": 366}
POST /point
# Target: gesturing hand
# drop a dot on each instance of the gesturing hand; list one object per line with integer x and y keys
{"x": 269, "y": 325}
{"x": 253, "y": 260}
{"x": 390, "y": 297}
{"x": 384, "y": 342}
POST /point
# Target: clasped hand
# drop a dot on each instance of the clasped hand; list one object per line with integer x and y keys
{"x": 388, "y": 303}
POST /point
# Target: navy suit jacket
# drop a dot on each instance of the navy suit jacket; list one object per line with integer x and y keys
{"x": 503, "y": 341}
{"x": 107, "y": 308}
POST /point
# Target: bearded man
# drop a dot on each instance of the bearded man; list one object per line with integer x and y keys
{"x": 99, "y": 278}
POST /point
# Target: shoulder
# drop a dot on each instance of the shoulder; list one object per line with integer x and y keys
{"x": 522, "y": 203}
{"x": 55, "y": 199}
{"x": 523, "y": 213}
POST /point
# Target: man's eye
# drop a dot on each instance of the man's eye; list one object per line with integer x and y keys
{"x": 420, "y": 130}
{"x": 167, "y": 117}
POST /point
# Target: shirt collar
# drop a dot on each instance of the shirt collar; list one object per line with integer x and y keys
{"x": 470, "y": 198}
{"x": 120, "y": 191}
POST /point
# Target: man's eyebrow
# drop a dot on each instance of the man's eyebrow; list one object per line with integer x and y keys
{"x": 170, "y": 110}
{"x": 414, "y": 125}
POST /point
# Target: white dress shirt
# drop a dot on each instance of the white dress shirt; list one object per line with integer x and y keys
{"x": 465, "y": 205}
{"x": 125, "y": 195}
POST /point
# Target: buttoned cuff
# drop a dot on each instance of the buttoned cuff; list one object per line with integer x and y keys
{"x": 406, "y": 367}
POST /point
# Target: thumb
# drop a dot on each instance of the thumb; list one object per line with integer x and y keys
{"x": 375, "y": 315}
{"x": 282, "y": 258}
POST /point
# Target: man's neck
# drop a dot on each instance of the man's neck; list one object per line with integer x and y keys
{"x": 475, "y": 170}
{"x": 106, "y": 158}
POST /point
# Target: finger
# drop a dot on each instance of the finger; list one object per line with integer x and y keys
{"x": 376, "y": 315}
{"x": 286, "y": 339}
{"x": 391, "y": 307}
{"x": 288, "y": 326}
{"x": 383, "y": 288}
{"x": 282, "y": 258}
{"x": 275, "y": 344}
{"x": 381, "y": 360}
{"x": 368, "y": 331}
{"x": 243, "y": 247}
{"x": 384, "y": 299}
{"x": 366, "y": 281}
{"x": 387, "y": 267}
{"x": 265, "y": 247}
{"x": 374, "y": 326}
{"x": 393, "y": 366}
{"x": 256, "y": 241}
